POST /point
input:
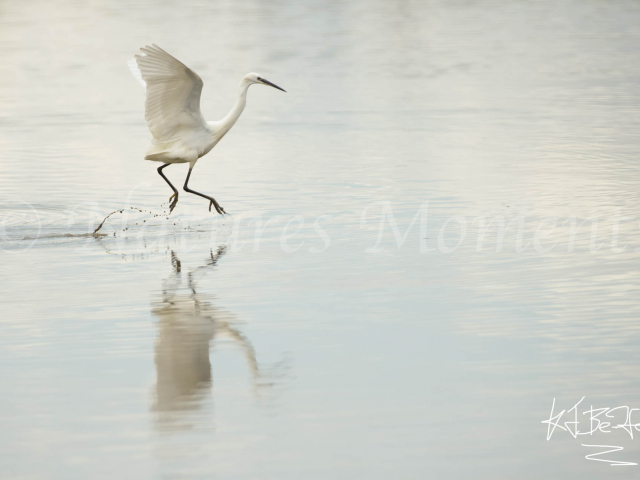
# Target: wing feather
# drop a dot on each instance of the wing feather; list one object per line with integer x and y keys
{"x": 173, "y": 93}
{"x": 135, "y": 71}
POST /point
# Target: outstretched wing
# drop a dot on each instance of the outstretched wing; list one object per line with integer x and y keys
{"x": 173, "y": 92}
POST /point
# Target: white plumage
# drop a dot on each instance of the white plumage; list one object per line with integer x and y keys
{"x": 172, "y": 111}
{"x": 172, "y": 107}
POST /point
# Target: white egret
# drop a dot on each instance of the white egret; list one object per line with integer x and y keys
{"x": 172, "y": 110}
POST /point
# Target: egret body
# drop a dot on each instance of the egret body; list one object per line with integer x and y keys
{"x": 172, "y": 111}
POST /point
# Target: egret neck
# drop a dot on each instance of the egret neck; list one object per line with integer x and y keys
{"x": 229, "y": 121}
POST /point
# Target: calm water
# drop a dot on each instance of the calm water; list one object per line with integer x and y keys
{"x": 362, "y": 313}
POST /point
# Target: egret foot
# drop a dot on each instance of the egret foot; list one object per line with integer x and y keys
{"x": 174, "y": 203}
{"x": 212, "y": 201}
{"x": 175, "y": 192}
{"x": 217, "y": 206}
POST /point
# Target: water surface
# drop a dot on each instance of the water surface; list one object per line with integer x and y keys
{"x": 302, "y": 336}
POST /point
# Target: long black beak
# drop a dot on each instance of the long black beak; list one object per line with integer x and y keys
{"x": 267, "y": 82}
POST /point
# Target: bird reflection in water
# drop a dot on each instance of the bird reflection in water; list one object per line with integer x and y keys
{"x": 187, "y": 324}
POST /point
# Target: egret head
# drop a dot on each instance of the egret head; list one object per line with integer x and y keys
{"x": 259, "y": 79}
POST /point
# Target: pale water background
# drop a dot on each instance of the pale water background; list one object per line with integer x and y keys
{"x": 184, "y": 348}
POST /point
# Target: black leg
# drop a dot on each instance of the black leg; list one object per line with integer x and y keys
{"x": 212, "y": 201}
{"x": 175, "y": 192}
